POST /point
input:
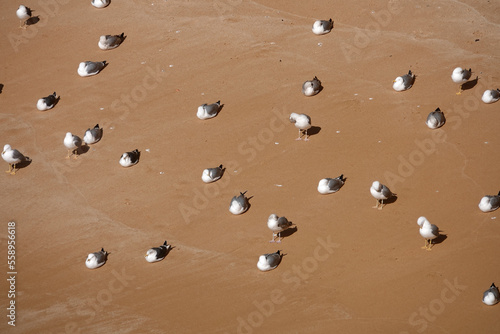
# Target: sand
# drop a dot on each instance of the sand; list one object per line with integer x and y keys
{"x": 348, "y": 267}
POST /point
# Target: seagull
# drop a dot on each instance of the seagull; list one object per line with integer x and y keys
{"x": 212, "y": 174}
{"x": 329, "y": 185}
{"x": 404, "y": 82}
{"x": 491, "y": 296}
{"x": 88, "y": 68}
{"x": 130, "y": 158}
{"x": 380, "y": 192}
{"x": 311, "y": 87}
{"x": 92, "y": 136}
{"x": 277, "y": 225}
{"x": 321, "y": 27}
{"x": 23, "y": 13}
{"x": 72, "y": 143}
{"x": 428, "y": 231}
{"x": 206, "y": 111}
{"x": 108, "y": 42}
{"x": 100, "y": 3}
{"x": 461, "y": 76}
{"x": 46, "y": 103}
{"x": 435, "y": 119}
{"x": 97, "y": 259}
{"x": 491, "y": 95}
{"x": 269, "y": 261}
{"x": 302, "y": 122}
{"x": 12, "y": 157}
{"x": 157, "y": 253}
{"x": 239, "y": 204}
{"x": 489, "y": 203}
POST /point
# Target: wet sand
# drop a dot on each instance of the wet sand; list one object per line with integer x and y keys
{"x": 348, "y": 267}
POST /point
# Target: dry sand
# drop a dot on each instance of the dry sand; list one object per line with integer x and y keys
{"x": 372, "y": 277}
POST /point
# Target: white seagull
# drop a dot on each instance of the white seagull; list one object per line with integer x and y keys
{"x": 46, "y": 103}
{"x": 239, "y": 204}
{"x": 380, "y": 192}
{"x": 23, "y": 13}
{"x": 97, "y": 259}
{"x": 491, "y": 296}
{"x": 277, "y": 225}
{"x": 93, "y": 135}
{"x": 269, "y": 261}
{"x": 130, "y": 158}
{"x": 329, "y": 185}
{"x": 108, "y": 42}
{"x": 435, "y": 119}
{"x": 491, "y": 95}
{"x": 489, "y": 203}
{"x": 311, "y": 87}
{"x": 88, "y": 68}
{"x": 302, "y": 122}
{"x": 461, "y": 76}
{"x": 100, "y": 3}
{"x": 157, "y": 253}
{"x": 206, "y": 111}
{"x": 428, "y": 231}
{"x": 403, "y": 82}
{"x": 212, "y": 174}
{"x": 12, "y": 157}
{"x": 72, "y": 143}
{"x": 321, "y": 27}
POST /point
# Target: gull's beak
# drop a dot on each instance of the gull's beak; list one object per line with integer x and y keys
{"x": 393, "y": 80}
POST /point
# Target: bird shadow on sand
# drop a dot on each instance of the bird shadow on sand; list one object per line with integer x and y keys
{"x": 314, "y": 130}
{"x": 391, "y": 200}
{"x": 32, "y": 20}
{"x": 470, "y": 84}
{"x": 220, "y": 109}
{"x": 24, "y": 164}
{"x": 1, "y": 88}
{"x": 56, "y": 102}
{"x": 83, "y": 149}
{"x": 289, "y": 231}
{"x": 439, "y": 239}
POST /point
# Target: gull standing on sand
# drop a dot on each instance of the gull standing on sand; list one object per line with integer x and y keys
{"x": 12, "y": 157}
{"x": 23, "y": 13}
{"x": 88, "y": 68}
{"x": 491, "y": 95}
{"x": 329, "y": 185}
{"x": 239, "y": 204}
{"x": 156, "y": 254}
{"x": 302, "y": 122}
{"x": 130, "y": 158}
{"x": 212, "y": 174}
{"x": 72, "y": 143}
{"x": 404, "y": 82}
{"x": 491, "y": 296}
{"x": 321, "y": 27}
{"x": 46, "y": 103}
{"x": 269, "y": 261}
{"x": 206, "y": 111}
{"x": 277, "y": 225}
{"x": 311, "y": 87}
{"x": 93, "y": 135}
{"x": 428, "y": 231}
{"x": 489, "y": 203}
{"x": 108, "y": 42}
{"x": 97, "y": 259}
{"x": 380, "y": 192}
{"x": 461, "y": 76}
{"x": 435, "y": 119}
{"x": 100, "y": 3}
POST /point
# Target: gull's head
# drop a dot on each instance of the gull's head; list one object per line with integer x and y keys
{"x": 376, "y": 185}
{"x": 421, "y": 221}
{"x": 6, "y": 148}
{"x": 457, "y": 70}
{"x": 90, "y": 257}
{"x": 273, "y": 217}
{"x": 293, "y": 117}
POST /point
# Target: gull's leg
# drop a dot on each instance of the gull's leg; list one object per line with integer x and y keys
{"x": 381, "y": 205}
{"x": 300, "y": 132}
{"x": 376, "y": 206}
{"x": 67, "y": 157}
{"x": 10, "y": 169}
{"x": 425, "y": 244}
{"x": 13, "y": 170}
{"x": 274, "y": 238}
{"x": 279, "y": 237}
{"x": 307, "y": 138}
{"x": 75, "y": 152}
{"x": 430, "y": 245}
